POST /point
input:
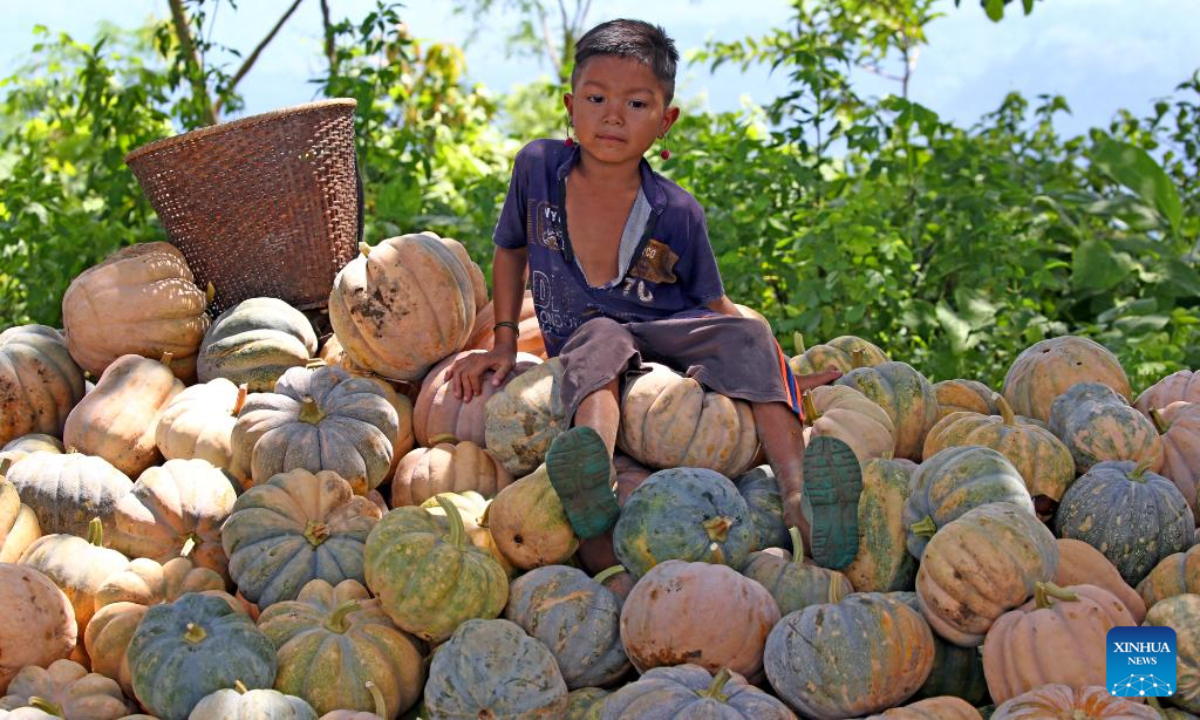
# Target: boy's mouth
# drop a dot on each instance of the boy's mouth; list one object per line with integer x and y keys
{"x": 610, "y": 138}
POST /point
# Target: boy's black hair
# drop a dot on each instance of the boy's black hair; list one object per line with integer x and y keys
{"x": 634, "y": 39}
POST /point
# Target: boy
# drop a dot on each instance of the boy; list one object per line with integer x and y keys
{"x": 622, "y": 271}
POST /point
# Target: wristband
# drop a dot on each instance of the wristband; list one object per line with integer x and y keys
{"x": 507, "y": 323}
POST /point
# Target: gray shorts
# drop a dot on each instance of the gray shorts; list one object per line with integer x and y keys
{"x": 736, "y": 357}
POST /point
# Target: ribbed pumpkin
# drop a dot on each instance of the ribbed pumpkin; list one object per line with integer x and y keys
{"x": 934, "y": 708}
{"x": 997, "y": 546}
{"x": 17, "y": 448}
{"x": 123, "y": 600}
{"x": 1179, "y": 386}
{"x": 1179, "y": 424}
{"x": 39, "y": 623}
{"x": 794, "y": 581}
{"x": 331, "y": 641}
{"x": 964, "y": 396}
{"x": 837, "y": 354}
{"x": 402, "y": 306}
{"x": 946, "y": 485}
{"x": 437, "y": 412}
{"x": 67, "y": 491}
{"x": 848, "y": 415}
{"x": 1082, "y": 564}
{"x": 529, "y": 333}
{"x": 1182, "y": 614}
{"x": 294, "y": 528}
{"x": 690, "y": 691}
{"x": 142, "y": 300}
{"x": 529, "y": 525}
{"x": 679, "y": 514}
{"x": 1052, "y": 639}
{"x": 1060, "y": 702}
{"x": 1049, "y": 368}
{"x": 18, "y": 523}
{"x": 670, "y": 618}
{"x": 447, "y": 467}
{"x": 1096, "y": 425}
{"x": 67, "y": 690}
{"x": 380, "y": 712}
{"x": 957, "y": 671}
{"x": 586, "y": 703}
{"x": 186, "y": 650}
{"x": 177, "y": 510}
{"x": 117, "y": 421}
{"x": 521, "y": 678}
{"x": 1133, "y": 516}
{"x": 39, "y": 382}
{"x": 523, "y": 418}
{"x": 1176, "y": 574}
{"x": 473, "y": 509}
{"x": 907, "y": 397}
{"x": 198, "y": 423}
{"x": 1042, "y": 460}
{"x": 574, "y": 616}
{"x": 669, "y": 420}
{"x": 760, "y": 490}
{"x": 861, "y": 655}
{"x": 254, "y": 342}
{"x": 428, "y": 577}
{"x": 883, "y": 563}
{"x": 241, "y": 702}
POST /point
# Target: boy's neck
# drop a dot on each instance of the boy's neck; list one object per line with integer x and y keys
{"x": 607, "y": 175}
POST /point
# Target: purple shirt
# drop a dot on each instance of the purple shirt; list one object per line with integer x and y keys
{"x": 672, "y": 272}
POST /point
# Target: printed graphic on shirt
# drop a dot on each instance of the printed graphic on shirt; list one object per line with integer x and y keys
{"x": 547, "y": 225}
{"x": 552, "y": 298}
{"x": 656, "y": 264}
{"x": 636, "y": 287}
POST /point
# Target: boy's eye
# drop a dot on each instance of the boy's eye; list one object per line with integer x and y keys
{"x": 638, "y": 104}
{"x": 595, "y": 98}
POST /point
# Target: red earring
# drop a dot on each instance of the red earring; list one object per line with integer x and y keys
{"x": 569, "y": 142}
{"x": 665, "y": 154}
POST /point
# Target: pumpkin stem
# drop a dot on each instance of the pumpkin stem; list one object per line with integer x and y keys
{"x": 811, "y": 415}
{"x": 926, "y": 528}
{"x": 95, "y": 534}
{"x": 443, "y": 438}
{"x": 797, "y": 545}
{"x": 798, "y": 342}
{"x": 609, "y": 572}
{"x": 836, "y": 591}
{"x": 377, "y": 696}
{"x": 1043, "y": 591}
{"x": 316, "y": 532}
{"x": 1006, "y": 410}
{"x": 72, "y": 450}
{"x": 718, "y": 684}
{"x": 309, "y": 412}
{"x": 210, "y": 292}
{"x": 718, "y": 555}
{"x": 167, "y": 357}
{"x": 718, "y": 528}
{"x": 365, "y": 249}
{"x": 195, "y": 634}
{"x": 240, "y": 687}
{"x": 5, "y": 464}
{"x": 1139, "y": 471}
{"x": 46, "y": 706}
{"x": 458, "y": 533}
{"x": 337, "y": 622}
{"x": 858, "y": 358}
{"x": 1160, "y": 422}
{"x": 188, "y": 546}
{"x": 314, "y": 363}
{"x": 243, "y": 391}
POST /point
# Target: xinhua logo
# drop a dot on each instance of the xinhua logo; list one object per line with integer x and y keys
{"x": 1141, "y": 661}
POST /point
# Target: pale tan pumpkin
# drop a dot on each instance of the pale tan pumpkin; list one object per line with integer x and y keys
{"x": 1062, "y": 702}
{"x": 473, "y": 509}
{"x": 669, "y": 420}
{"x": 18, "y": 448}
{"x": 402, "y": 306}
{"x": 39, "y": 382}
{"x": 142, "y": 300}
{"x": 1179, "y": 423}
{"x": 478, "y": 281}
{"x": 18, "y": 524}
{"x": 437, "y": 412}
{"x": 67, "y": 491}
{"x": 68, "y": 690}
{"x": 1179, "y": 386}
{"x": 1082, "y": 564}
{"x": 529, "y": 332}
{"x": 848, "y": 415}
{"x": 523, "y": 418}
{"x": 117, "y": 421}
{"x": 1176, "y": 574}
{"x": 39, "y": 622}
{"x": 529, "y": 525}
{"x": 447, "y": 468}
{"x": 1049, "y": 368}
{"x": 935, "y": 708}
{"x": 964, "y": 396}
{"x": 198, "y": 423}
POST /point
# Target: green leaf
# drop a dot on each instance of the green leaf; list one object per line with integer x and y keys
{"x": 1095, "y": 266}
{"x": 1028, "y": 5}
{"x": 957, "y": 329}
{"x": 995, "y": 9}
{"x": 1135, "y": 169}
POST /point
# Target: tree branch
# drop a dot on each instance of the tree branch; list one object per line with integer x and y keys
{"x": 253, "y": 57}
{"x": 330, "y": 49}
{"x": 195, "y": 68}
{"x": 548, "y": 40}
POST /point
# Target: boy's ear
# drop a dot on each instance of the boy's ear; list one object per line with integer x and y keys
{"x": 568, "y": 102}
{"x": 669, "y": 118}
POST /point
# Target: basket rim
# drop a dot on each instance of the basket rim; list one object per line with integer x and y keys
{"x": 211, "y": 130}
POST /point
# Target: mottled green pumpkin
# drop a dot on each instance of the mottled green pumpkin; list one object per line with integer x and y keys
{"x": 586, "y": 703}
{"x": 295, "y": 528}
{"x": 1049, "y": 368}
{"x": 957, "y": 671}
{"x": 1176, "y": 574}
{"x": 1044, "y": 462}
{"x": 522, "y": 420}
{"x": 492, "y": 669}
{"x": 946, "y": 485}
{"x": 254, "y": 342}
{"x": 332, "y": 641}
{"x": 1136, "y": 518}
{"x": 261, "y": 704}
{"x": 794, "y": 581}
{"x": 689, "y": 691}
{"x": 67, "y": 491}
{"x": 964, "y": 396}
{"x": 189, "y": 649}
{"x": 760, "y": 490}
{"x": 679, "y": 514}
{"x": 67, "y": 690}
{"x": 428, "y": 576}
{"x": 574, "y": 616}
{"x": 837, "y": 354}
{"x": 1097, "y": 424}
{"x": 1182, "y": 614}
{"x": 907, "y": 397}
{"x": 883, "y": 563}
{"x": 861, "y": 655}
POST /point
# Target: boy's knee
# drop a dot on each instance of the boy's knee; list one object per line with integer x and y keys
{"x": 604, "y": 332}
{"x": 751, "y": 334}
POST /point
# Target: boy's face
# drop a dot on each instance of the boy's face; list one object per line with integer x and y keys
{"x": 618, "y": 109}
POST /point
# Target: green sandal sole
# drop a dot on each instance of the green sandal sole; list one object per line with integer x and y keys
{"x": 832, "y": 486}
{"x": 580, "y": 471}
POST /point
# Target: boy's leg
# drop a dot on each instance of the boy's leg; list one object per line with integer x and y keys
{"x": 780, "y": 432}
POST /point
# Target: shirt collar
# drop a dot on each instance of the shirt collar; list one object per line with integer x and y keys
{"x": 652, "y": 189}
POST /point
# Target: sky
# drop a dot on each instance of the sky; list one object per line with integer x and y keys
{"x": 1101, "y": 55}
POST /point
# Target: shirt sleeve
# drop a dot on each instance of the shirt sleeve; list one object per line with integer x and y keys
{"x": 510, "y": 228}
{"x": 701, "y": 278}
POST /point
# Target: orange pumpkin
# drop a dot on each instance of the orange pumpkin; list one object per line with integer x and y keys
{"x": 964, "y": 396}
{"x": 39, "y": 382}
{"x": 1180, "y": 386}
{"x": 198, "y": 422}
{"x": 142, "y": 300}
{"x": 1082, "y": 564}
{"x": 1176, "y": 574}
{"x": 523, "y": 418}
{"x": 18, "y": 523}
{"x": 1049, "y": 368}
{"x": 935, "y": 708}
{"x": 1060, "y": 702}
{"x": 1179, "y": 424}
{"x": 437, "y": 412}
{"x": 529, "y": 525}
{"x": 39, "y": 622}
{"x": 848, "y": 415}
{"x": 479, "y": 288}
{"x": 449, "y": 468}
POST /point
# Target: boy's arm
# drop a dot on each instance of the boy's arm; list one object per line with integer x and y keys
{"x": 724, "y": 306}
{"x": 509, "y": 270}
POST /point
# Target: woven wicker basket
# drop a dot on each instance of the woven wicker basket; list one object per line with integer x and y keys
{"x": 264, "y": 206}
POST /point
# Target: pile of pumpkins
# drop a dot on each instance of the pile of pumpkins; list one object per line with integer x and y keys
{"x": 240, "y": 520}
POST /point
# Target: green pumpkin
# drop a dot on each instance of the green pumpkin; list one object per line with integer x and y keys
{"x": 689, "y": 691}
{"x": 67, "y": 491}
{"x": 906, "y": 396}
{"x": 841, "y": 353}
{"x": 955, "y": 480}
{"x": 761, "y": 491}
{"x": 254, "y": 342}
{"x": 1134, "y": 517}
{"x": 586, "y": 703}
{"x": 864, "y": 654}
{"x": 883, "y": 563}
{"x": 1096, "y": 424}
{"x": 1182, "y": 614}
{"x": 793, "y": 581}
{"x": 680, "y": 514}
{"x": 241, "y": 703}
{"x": 188, "y": 649}
{"x": 957, "y": 671}
{"x": 574, "y": 616}
{"x": 492, "y": 669}
{"x": 428, "y": 576}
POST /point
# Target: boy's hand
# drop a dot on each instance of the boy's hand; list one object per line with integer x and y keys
{"x": 466, "y": 375}
{"x": 825, "y": 377}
